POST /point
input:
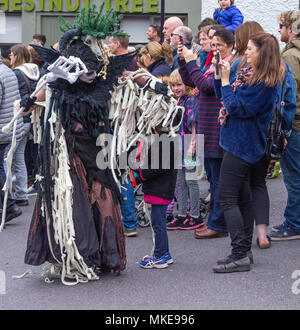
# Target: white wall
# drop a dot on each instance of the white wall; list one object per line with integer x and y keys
{"x": 265, "y": 12}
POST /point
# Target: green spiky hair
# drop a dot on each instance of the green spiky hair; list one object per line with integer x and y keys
{"x": 96, "y": 24}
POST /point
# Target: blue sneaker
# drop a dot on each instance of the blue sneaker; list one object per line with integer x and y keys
{"x": 168, "y": 258}
{"x": 285, "y": 233}
{"x": 152, "y": 262}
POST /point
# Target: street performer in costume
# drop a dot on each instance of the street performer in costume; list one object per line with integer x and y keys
{"x": 76, "y": 225}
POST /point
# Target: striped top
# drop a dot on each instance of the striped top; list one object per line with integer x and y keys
{"x": 206, "y": 104}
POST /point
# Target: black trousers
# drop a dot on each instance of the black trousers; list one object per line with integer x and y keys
{"x": 243, "y": 196}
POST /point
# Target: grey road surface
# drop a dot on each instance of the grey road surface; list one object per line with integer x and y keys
{"x": 188, "y": 284}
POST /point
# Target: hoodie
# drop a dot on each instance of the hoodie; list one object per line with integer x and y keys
{"x": 32, "y": 73}
{"x": 291, "y": 54}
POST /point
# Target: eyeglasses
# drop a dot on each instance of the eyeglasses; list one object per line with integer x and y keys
{"x": 175, "y": 34}
{"x": 281, "y": 26}
{"x": 217, "y": 45}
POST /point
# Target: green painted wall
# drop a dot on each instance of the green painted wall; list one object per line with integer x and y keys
{"x": 40, "y": 16}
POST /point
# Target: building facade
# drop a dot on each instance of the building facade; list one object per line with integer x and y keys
{"x": 21, "y": 19}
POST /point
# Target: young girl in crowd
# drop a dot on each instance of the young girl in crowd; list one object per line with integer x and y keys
{"x": 158, "y": 188}
{"x": 207, "y": 111}
{"x": 228, "y": 15}
{"x": 187, "y": 187}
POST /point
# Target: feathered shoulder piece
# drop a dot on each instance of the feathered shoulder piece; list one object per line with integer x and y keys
{"x": 98, "y": 24}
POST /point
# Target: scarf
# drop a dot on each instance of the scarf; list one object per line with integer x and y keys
{"x": 241, "y": 78}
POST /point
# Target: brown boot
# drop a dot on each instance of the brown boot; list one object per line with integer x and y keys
{"x": 209, "y": 233}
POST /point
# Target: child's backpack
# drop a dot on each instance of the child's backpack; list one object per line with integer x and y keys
{"x": 275, "y": 135}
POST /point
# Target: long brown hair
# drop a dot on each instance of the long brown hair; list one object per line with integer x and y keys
{"x": 243, "y": 33}
{"x": 269, "y": 67}
{"x": 22, "y": 55}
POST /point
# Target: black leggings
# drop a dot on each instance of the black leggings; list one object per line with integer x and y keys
{"x": 243, "y": 196}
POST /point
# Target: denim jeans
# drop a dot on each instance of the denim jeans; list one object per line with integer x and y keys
{"x": 10, "y": 201}
{"x": 159, "y": 226}
{"x": 290, "y": 165}
{"x": 216, "y": 220}
{"x": 128, "y": 207}
{"x": 19, "y": 166}
{"x": 187, "y": 188}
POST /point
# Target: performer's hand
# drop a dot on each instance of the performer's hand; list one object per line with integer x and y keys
{"x": 27, "y": 102}
{"x": 158, "y": 86}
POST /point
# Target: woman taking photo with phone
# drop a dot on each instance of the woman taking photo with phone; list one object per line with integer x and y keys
{"x": 249, "y": 104}
{"x": 207, "y": 108}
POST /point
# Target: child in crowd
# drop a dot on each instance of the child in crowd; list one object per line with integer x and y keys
{"x": 228, "y": 15}
{"x": 188, "y": 185}
{"x": 158, "y": 188}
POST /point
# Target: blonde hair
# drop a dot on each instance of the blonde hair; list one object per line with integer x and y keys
{"x": 158, "y": 51}
{"x": 175, "y": 78}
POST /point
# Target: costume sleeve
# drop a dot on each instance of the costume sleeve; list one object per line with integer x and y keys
{"x": 199, "y": 79}
{"x": 248, "y": 101}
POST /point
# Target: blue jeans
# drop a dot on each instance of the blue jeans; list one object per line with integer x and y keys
{"x": 128, "y": 207}
{"x": 216, "y": 219}
{"x": 290, "y": 165}
{"x": 19, "y": 166}
{"x": 159, "y": 226}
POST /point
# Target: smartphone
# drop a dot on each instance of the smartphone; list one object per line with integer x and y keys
{"x": 181, "y": 40}
{"x": 218, "y": 61}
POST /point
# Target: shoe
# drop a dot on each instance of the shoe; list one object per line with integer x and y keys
{"x": 22, "y": 202}
{"x": 13, "y": 212}
{"x": 276, "y": 228}
{"x": 209, "y": 233}
{"x": 276, "y": 170}
{"x": 227, "y": 259}
{"x": 285, "y": 233}
{"x": 241, "y": 265}
{"x": 169, "y": 217}
{"x": 168, "y": 258}
{"x": 130, "y": 233}
{"x": 191, "y": 223}
{"x": 175, "y": 223}
{"x": 151, "y": 262}
{"x": 31, "y": 191}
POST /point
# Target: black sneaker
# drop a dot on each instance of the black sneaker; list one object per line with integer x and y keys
{"x": 13, "y": 212}
{"x": 191, "y": 223}
{"x": 275, "y": 229}
{"x": 285, "y": 233}
{"x": 175, "y": 223}
{"x": 22, "y": 202}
